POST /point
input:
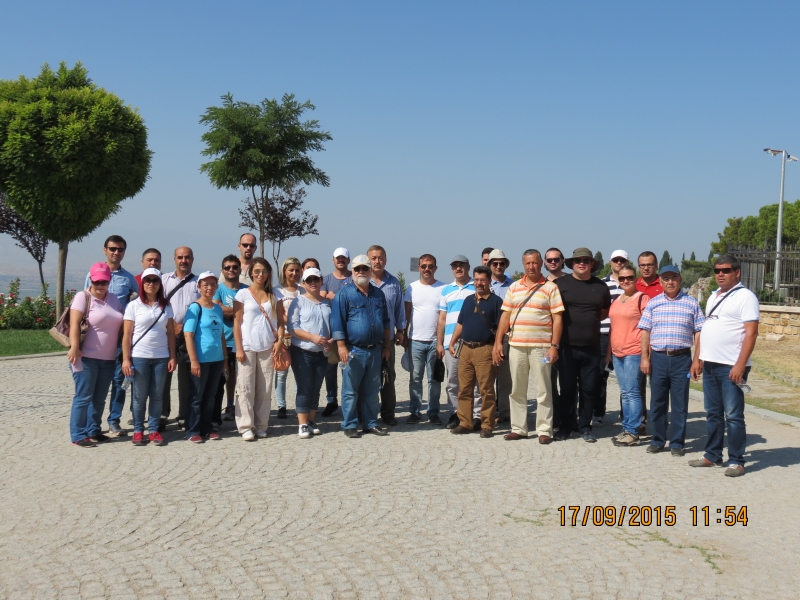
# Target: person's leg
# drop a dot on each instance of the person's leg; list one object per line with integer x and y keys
{"x": 679, "y": 393}
{"x": 504, "y": 386}
{"x": 195, "y": 406}
{"x": 434, "y": 387}
{"x": 331, "y": 387}
{"x": 143, "y": 381}
{"x": 352, "y": 374}
{"x": 371, "y": 386}
{"x": 117, "y": 401}
{"x": 419, "y": 358}
{"x": 600, "y": 402}
{"x": 388, "y": 395}
{"x": 659, "y": 400}
{"x": 466, "y": 384}
{"x": 589, "y": 375}
{"x": 302, "y": 375}
{"x": 544, "y": 392}
{"x": 643, "y": 390}
{"x": 230, "y": 380}
{"x": 486, "y": 375}
{"x": 184, "y": 390}
{"x": 265, "y": 376}
{"x": 733, "y": 398}
{"x": 565, "y": 413}
{"x": 213, "y": 375}
{"x": 157, "y": 378}
{"x": 555, "y": 376}
{"x": 81, "y": 423}
{"x": 245, "y": 393}
{"x": 627, "y": 370}
{"x": 715, "y": 409}
{"x": 451, "y": 385}
{"x": 519, "y": 368}
{"x": 166, "y": 398}
{"x": 219, "y": 394}
{"x": 105, "y": 377}
{"x": 318, "y": 367}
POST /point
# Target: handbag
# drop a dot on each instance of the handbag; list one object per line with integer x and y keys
{"x": 280, "y": 355}
{"x": 60, "y": 331}
{"x": 438, "y": 370}
{"x": 507, "y": 336}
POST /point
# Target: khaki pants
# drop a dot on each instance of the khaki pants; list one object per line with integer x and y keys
{"x": 254, "y": 382}
{"x": 523, "y": 360}
{"x": 475, "y": 365}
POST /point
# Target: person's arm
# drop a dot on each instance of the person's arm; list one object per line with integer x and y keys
{"x": 502, "y": 328}
{"x": 238, "y": 310}
{"x": 645, "y": 364}
{"x": 558, "y": 325}
{"x": 454, "y": 339}
{"x": 189, "y": 337}
{"x": 281, "y": 315}
{"x": 386, "y": 347}
{"x": 440, "y": 334}
{"x": 697, "y": 365}
{"x": 75, "y": 316}
{"x": 338, "y": 324}
{"x": 227, "y": 311}
{"x": 173, "y": 361}
{"x": 748, "y": 345}
{"x": 400, "y": 320}
{"x": 127, "y": 341}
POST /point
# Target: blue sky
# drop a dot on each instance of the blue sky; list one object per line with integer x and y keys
{"x": 456, "y": 125}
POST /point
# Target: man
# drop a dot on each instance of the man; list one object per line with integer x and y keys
{"x": 422, "y": 315}
{"x": 180, "y": 286}
{"x": 331, "y": 284}
{"x": 450, "y": 304}
{"x": 727, "y": 340}
{"x": 485, "y": 256}
{"x": 670, "y": 324}
{"x": 226, "y": 291}
{"x": 500, "y": 284}
{"x": 390, "y": 286}
{"x": 554, "y": 263}
{"x": 650, "y": 285}
{"x": 586, "y": 302}
{"x": 123, "y": 285}
{"x": 151, "y": 259}
{"x": 532, "y": 311}
{"x": 476, "y": 327}
{"x": 247, "y": 250}
{"x": 361, "y": 328}
{"x": 619, "y": 259}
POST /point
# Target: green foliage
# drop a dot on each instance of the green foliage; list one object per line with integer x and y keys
{"x": 760, "y": 230}
{"x": 28, "y": 313}
{"x": 704, "y": 269}
{"x": 598, "y": 256}
{"x": 666, "y": 260}
{"x": 690, "y": 276}
{"x": 712, "y": 286}
{"x": 605, "y": 270}
{"x": 518, "y": 275}
{"x": 768, "y": 295}
{"x": 401, "y": 277}
{"x": 692, "y": 257}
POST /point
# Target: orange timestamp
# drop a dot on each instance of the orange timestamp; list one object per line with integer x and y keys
{"x": 646, "y": 516}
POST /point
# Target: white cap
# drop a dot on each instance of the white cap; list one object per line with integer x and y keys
{"x": 311, "y": 272}
{"x": 206, "y": 275}
{"x": 617, "y": 253}
{"x": 341, "y": 252}
{"x": 151, "y": 271}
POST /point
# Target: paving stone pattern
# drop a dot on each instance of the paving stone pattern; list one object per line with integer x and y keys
{"x": 418, "y": 514}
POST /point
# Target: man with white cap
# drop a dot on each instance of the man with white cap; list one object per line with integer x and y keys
{"x": 331, "y": 284}
{"x": 500, "y": 283}
{"x": 619, "y": 259}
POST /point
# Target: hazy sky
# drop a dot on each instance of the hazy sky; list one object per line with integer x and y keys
{"x": 455, "y": 125}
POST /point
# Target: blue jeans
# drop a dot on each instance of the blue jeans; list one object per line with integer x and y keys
{"x": 149, "y": 376}
{"x": 361, "y": 383}
{"x": 423, "y": 357}
{"x": 724, "y": 402}
{"x": 280, "y": 387}
{"x": 201, "y": 399}
{"x": 331, "y": 384}
{"x": 117, "y": 401}
{"x": 627, "y": 370}
{"x": 668, "y": 380}
{"x": 91, "y": 389}
{"x": 309, "y": 370}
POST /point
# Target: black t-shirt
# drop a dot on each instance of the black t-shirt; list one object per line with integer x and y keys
{"x": 478, "y": 326}
{"x": 583, "y": 301}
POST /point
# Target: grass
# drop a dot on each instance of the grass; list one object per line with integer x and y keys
{"x": 14, "y": 342}
{"x": 780, "y": 358}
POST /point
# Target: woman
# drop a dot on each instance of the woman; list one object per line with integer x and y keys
{"x": 309, "y": 263}
{"x": 309, "y": 321}
{"x": 626, "y": 350}
{"x": 258, "y": 325}
{"x": 288, "y": 290}
{"x": 93, "y": 363}
{"x": 205, "y": 344}
{"x": 148, "y": 354}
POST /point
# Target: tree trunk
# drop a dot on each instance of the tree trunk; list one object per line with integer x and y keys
{"x": 63, "y": 247}
{"x": 41, "y": 275}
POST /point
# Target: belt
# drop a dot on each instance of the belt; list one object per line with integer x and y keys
{"x": 365, "y": 347}
{"x": 475, "y": 344}
{"x": 679, "y": 352}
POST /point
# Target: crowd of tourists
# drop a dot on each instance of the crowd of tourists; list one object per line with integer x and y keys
{"x": 233, "y": 336}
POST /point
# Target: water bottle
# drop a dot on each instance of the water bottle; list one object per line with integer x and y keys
{"x": 546, "y": 359}
{"x": 744, "y": 387}
{"x": 126, "y": 383}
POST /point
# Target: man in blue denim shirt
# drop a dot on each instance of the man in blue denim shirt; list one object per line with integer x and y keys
{"x": 123, "y": 285}
{"x": 360, "y": 325}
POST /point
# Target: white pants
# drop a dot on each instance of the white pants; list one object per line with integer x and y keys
{"x": 451, "y": 387}
{"x": 254, "y": 381}
{"x": 523, "y": 361}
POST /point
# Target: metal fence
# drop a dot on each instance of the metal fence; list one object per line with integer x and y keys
{"x": 758, "y": 273}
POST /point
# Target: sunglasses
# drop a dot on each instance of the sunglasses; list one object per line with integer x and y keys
{"x": 314, "y": 280}
{"x": 427, "y": 267}
{"x": 630, "y": 278}
{"x": 553, "y": 260}
{"x": 247, "y": 245}
{"x": 101, "y": 282}
{"x": 459, "y": 265}
{"x": 725, "y": 270}
{"x": 360, "y": 269}
{"x": 151, "y": 281}
{"x": 619, "y": 259}
{"x": 114, "y": 249}
{"x": 582, "y": 261}
{"x": 231, "y": 268}
{"x": 498, "y": 263}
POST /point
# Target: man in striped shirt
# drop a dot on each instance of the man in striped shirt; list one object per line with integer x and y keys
{"x": 670, "y": 324}
{"x": 532, "y": 313}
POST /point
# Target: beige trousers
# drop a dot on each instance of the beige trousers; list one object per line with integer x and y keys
{"x": 523, "y": 361}
{"x": 254, "y": 382}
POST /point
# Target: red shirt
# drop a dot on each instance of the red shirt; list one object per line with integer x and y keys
{"x": 652, "y": 290}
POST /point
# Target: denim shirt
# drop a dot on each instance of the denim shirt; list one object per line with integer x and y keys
{"x": 359, "y": 319}
{"x": 311, "y": 317}
{"x": 122, "y": 285}
{"x": 390, "y": 286}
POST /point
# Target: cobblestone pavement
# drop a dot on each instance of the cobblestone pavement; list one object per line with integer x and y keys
{"x": 417, "y": 514}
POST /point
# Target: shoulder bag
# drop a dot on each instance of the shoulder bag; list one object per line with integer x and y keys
{"x": 507, "y": 336}
{"x": 280, "y": 355}
{"x": 60, "y": 331}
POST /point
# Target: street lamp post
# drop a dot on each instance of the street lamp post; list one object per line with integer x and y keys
{"x": 779, "y": 240}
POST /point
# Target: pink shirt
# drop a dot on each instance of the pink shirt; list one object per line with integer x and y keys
{"x": 105, "y": 321}
{"x": 625, "y": 337}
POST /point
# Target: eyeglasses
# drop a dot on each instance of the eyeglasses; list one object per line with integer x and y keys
{"x": 360, "y": 269}
{"x": 231, "y": 268}
{"x": 313, "y": 280}
{"x": 582, "y": 261}
{"x": 557, "y": 259}
{"x": 114, "y": 249}
{"x": 207, "y": 284}
{"x": 725, "y": 270}
{"x": 101, "y": 282}
{"x": 628, "y": 278}
{"x": 619, "y": 259}
{"x": 458, "y": 265}
{"x": 248, "y": 245}
{"x": 151, "y": 281}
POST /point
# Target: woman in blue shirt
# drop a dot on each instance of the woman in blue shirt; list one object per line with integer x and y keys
{"x": 309, "y": 322}
{"x": 205, "y": 344}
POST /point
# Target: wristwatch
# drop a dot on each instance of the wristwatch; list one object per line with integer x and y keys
{"x": 556, "y": 346}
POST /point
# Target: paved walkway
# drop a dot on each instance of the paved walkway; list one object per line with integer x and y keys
{"x": 417, "y": 514}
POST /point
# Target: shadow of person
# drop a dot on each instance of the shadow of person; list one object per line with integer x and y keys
{"x": 771, "y": 457}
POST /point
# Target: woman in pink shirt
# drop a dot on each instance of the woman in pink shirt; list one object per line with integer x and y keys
{"x": 94, "y": 361}
{"x": 626, "y": 351}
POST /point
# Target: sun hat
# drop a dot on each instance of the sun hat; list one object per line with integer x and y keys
{"x": 581, "y": 253}
{"x": 498, "y": 254}
{"x": 100, "y": 272}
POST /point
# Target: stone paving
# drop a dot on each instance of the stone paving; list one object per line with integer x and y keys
{"x": 417, "y": 514}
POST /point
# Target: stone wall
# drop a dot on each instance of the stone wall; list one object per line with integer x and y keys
{"x": 779, "y": 322}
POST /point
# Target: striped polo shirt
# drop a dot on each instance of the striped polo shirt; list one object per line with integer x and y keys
{"x": 616, "y": 292}
{"x": 534, "y": 326}
{"x": 451, "y": 301}
{"x": 672, "y": 323}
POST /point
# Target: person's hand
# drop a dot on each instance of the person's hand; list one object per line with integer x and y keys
{"x": 553, "y": 354}
{"x": 172, "y": 365}
{"x": 497, "y": 354}
{"x": 326, "y": 347}
{"x": 196, "y": 371}
{"x": 737, "y": 373}
{"x": 386, "y": 353}
{"x": 178, "y": 327}
{"x": 440, "y": 351}
{"x": 225, "y": 366}
{"x": 241, "y": 356}
{"x": 74, "y": 355}
{"x": 343, "y": 354}
{"x": 126, "y": 368}
{"x": 697, "y": 369}
{"x": 321, "y": 341}
{"x": 452, "y": 350}
{"x": 399, "y": 338}
{"x": 645, "y": 366}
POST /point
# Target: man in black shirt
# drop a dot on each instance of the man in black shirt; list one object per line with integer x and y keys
{"x": 586, "y": 303}
{"x": 476, "y": 329}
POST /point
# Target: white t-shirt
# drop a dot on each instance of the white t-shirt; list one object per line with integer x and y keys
{"x": 154, "y": 344}
{"x": 257, "y": 335}
{"x": 722, "y": 334}
{"x": 424, "y": 301}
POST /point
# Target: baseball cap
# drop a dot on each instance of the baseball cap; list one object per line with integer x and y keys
{"x": 206, "y": 275}
{"x": 100, "y": 272}
{"x": 151, "y": 271}
{"x": 459, "y": 258}
{"x": 312, "y": 272}
{"x": 341, "y": 252}
{"x": 669, "y": 269}
{"x": 617, "y": 253}
{"x": 361, "y": 261}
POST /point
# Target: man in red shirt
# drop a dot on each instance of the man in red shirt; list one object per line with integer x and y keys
{"x": 648, "y": 283}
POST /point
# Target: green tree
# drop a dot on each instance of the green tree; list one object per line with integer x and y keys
{"x": 262, "y": 148}
{"x": 24, "y": 235}
{"x": 760, "y": 230}
{"x": 666, "y": 259}
{"x": 70, "y": 152}
{"x": 692, "y": 257}
{"x": 598, "y": 256}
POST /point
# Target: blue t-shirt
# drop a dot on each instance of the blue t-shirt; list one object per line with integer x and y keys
{"x": 208, "y": 336}
{"x": 225, "y": 296}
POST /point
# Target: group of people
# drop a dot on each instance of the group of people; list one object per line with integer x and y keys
{"x": 483, "y": 336}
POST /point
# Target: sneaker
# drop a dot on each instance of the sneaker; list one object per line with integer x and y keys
{"x": 487, "y": 433}
{"x": 704, "y": 462}
{"x": 228, "y": 414}
{"x": 331, "y": 408}
{"x": 162, "y": 424}
{"x": 434, "y": 420}
{"x": 352, "y": 433}
{"x": 85, "y": 443}
{"x": 138, "y": 439}
{"x": 651, "y": 449}
{"x": 282, "y": 412}
{"x": 734, "y": 471}
{"x": 249, "y": 436}
{"x": 561, "y": 435}
{"x": 452, "y": 422}
{"x": 304, "y": 432}
{"x": 459, "y": 430}
{"x": 115, "y": 430}
{"x": 213, "y": 437}
{"x": 677, "y": 451}
{"x": 313, "y": 428}
{"x": 157, "y": 439}
{"x": 196, "y": 439}
{"x": 413, "y": 419}
{"x": 589, "y": 437}
{"x": 625, "y": 439}
{"x": 260, "y": 433}
{"x": 597, "y": 422}
{"x": 99, "y": 438}
{"x": 180, "y": 422}
{"x": 130, "y": 422}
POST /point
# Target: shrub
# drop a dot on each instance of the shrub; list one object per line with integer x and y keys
{"x": 28, "y": 313}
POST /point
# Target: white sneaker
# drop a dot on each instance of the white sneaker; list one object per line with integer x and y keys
{"x": 304, "y": 432}
{"x": 260, "y": 433}
{"x": 248, "y": 436}
{"x": 314, "y": 429}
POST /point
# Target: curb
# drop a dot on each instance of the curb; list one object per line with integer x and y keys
{"x": 45, "y": 355}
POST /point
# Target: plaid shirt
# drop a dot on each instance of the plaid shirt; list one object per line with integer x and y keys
{"x": 672, "y": 323}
